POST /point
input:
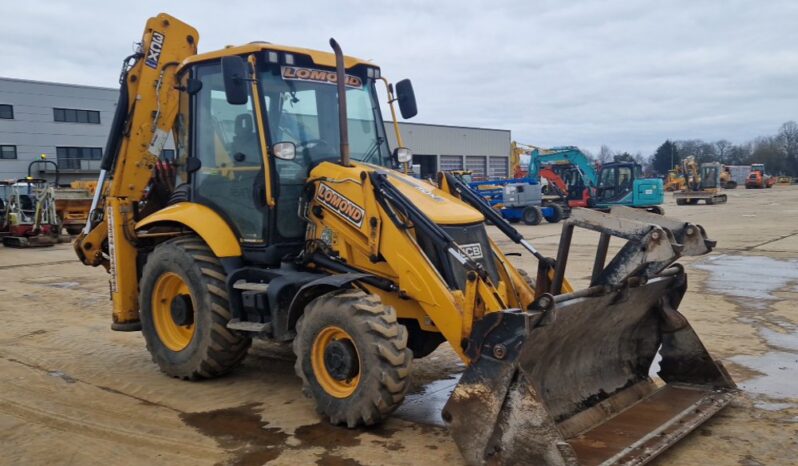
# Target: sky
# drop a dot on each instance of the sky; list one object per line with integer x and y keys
{"x": 628, "y": 74}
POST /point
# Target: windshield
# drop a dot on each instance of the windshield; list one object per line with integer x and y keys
{"x": 302, "y": 107}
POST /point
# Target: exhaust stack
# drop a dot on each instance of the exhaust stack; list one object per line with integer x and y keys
{"x": 342, "y": 118}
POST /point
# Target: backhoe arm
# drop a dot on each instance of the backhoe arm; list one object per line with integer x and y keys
{"x": 145, "y": 115}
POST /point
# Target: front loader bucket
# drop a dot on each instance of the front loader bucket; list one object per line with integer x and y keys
{"x": 571, "y": 382}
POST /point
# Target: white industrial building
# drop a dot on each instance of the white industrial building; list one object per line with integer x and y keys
{"x": 70, "y": 123}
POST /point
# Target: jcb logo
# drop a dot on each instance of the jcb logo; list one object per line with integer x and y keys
{"x": 473, "y": 250}
{"x": 339, "y": 204}
{"x": 156, "y": 46}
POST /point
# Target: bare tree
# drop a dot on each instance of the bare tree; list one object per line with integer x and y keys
{"x": 605, "y": 154}
{"x": 787, "y": 140}
{"x": 722, "y": 149}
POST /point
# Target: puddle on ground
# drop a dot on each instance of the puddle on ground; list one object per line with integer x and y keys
{"x": 328, "y": 459}
{"x": 767, "y": 406}
{"x": 327, "y": 436}
{"x": 752, "y": 277}
{"x": 241, "y": 430}
{"x": 755, "y": 279}
{"x": 64, "y": 285}
{"x": 65, "y": 377}
{"x": 425, "y": 407}
{"x": 779, "y": 369}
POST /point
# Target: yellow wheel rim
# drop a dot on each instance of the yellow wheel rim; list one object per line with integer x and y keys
{"x": 332, "y": 385}
{"x": 174, "y": 336}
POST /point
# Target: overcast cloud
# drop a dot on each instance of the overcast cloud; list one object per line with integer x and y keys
{"x": 628, "y": 74}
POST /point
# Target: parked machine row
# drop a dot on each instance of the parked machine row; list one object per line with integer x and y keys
{"x": 35, "y": 212}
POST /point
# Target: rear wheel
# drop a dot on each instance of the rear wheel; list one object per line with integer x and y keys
{"x": 184, "y": 311}
{"x": 352, "y": 357}
{"x": 657, "y": 210}
{"x": 556, "y": 215}
{"x": 532, "y": 215}
{"x": 681, "y": 201}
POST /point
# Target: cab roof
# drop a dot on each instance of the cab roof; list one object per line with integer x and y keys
{"x": 319, "y": 58}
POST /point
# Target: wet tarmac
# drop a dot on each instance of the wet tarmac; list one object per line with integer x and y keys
{"x": 754, "y": 279}
{"x": 754, "y": 282}
{"x": 425, "y": 406}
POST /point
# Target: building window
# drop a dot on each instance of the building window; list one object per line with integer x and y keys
{"x": 6, "y": 112}
{"x": 72, "y": 157}
{"x": 71, "y": 115}
{"x": 8, "y": 152}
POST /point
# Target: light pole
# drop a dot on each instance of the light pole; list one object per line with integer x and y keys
{"x": 671, "y": 144}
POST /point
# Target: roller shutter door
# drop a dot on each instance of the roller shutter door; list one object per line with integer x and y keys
{"x": 477, "y": 164}
{"x": 498, "y": 167}
{"x": 451, "y": 162}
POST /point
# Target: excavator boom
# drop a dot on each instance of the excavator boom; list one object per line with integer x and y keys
{"x": 144, "y": 118}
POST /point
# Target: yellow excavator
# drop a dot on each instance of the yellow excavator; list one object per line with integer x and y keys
{"x": 288, "y": 218}
{"x": 704, "y": 182}
{"x": 675, "y": 180}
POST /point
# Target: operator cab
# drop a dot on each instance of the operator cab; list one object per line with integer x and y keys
{"x": 257, "y": 135}
{"x": 616, "y": 180}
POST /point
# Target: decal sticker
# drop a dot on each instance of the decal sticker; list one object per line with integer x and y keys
{"x": 339, "y": 204}
{"x": 297, "y": 73}
{"x": 473, "y": 250}
{"x": 158, "y": 142}
{"x": 112, "y": 248}
{"x": 156, "y": 46}
{"x": 417, "y": 185}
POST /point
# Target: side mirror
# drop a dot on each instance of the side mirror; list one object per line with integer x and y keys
{"x": 234, "y": 71}
{"x": 402, "y": 155}
{"x": 406, "y": 98}
{"x": 284, "y": 151}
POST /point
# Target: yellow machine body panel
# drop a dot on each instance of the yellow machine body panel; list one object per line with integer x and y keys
{"x": 345, "y": 217}
{"x": 204, "y": 221}
{"x": 319, "y": 58}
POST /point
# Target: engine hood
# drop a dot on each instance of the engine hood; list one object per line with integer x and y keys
{"x": 441, "y": 207}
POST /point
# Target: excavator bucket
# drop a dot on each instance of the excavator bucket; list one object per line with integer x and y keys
{"x": 611, "y": 374}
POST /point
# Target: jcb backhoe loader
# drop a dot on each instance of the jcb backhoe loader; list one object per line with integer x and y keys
{"x": 290, "y": 221}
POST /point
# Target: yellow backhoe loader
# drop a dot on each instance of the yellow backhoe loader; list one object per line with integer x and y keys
{"x": 290, "y": 219}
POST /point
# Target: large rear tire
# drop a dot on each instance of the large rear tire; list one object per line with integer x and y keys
{"x": 532, "y": 215}
{"x": 184, "y": 311}
{"x": 352, "y": 357}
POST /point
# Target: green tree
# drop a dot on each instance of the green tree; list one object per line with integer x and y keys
{"x": 666, "y": 156}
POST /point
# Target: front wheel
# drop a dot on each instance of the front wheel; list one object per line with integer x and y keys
{"x": 352, "y": 357}
{"x": 557, "y": 214}
{"x": 184, "y": 311}
{"x": 532, "y": 215}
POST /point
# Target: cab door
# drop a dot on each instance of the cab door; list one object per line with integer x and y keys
{"x": 226, "y": 140}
